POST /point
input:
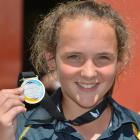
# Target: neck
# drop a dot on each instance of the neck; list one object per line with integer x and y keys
{"x": 71, "y": 109}
{"x": 93, "y": 130}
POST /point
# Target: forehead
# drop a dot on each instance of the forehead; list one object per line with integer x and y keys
{"x": 66, "y": 20}
{"x": 87, "y": 34}
{"x": 86, "y": 28}
{"x": 82, "y": 22}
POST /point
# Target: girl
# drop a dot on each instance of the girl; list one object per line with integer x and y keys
{"x": 85, "y": 42}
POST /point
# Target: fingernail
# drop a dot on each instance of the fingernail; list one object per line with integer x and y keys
{"x": 23, "y": 105}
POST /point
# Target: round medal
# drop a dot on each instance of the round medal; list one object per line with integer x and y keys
{"x": 34, "y": 90}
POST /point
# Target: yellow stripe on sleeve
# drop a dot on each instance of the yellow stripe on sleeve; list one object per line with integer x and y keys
{"x": 26, "y": 129}
{"x": 136, "y": 132}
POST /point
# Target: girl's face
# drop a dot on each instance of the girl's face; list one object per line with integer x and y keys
{"x": 86, "y": 60}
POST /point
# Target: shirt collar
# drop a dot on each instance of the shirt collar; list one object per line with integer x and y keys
{"x": 120, "y": 116}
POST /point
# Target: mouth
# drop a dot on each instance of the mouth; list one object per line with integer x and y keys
{"x": 87, "y": 86}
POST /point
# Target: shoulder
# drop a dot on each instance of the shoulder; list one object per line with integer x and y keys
{"x": 125, "y": 115}
{"x": 22, "y": 119}
{"x": 135, "y": 117}
{"x": 35, "y": 117}
{"x": 135, "y": 125}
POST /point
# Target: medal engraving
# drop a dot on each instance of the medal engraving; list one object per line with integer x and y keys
{"x": 34, "y": 90}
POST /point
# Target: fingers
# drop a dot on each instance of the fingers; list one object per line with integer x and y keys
{"x": 6, "y": 94}
{"x": 16, "y": 91}
{"x": 8, "y": 119}
{"x": 11, "y": 104}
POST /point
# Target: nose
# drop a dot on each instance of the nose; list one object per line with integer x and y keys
{"x": 89, "y": 70}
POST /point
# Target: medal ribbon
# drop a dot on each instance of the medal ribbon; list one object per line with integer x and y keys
{"x": 91, "y": 115}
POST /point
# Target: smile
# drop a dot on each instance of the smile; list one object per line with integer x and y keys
{"x": 87, "y": 85}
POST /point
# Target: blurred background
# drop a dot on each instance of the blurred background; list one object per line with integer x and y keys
{"x": 18, "y": 20}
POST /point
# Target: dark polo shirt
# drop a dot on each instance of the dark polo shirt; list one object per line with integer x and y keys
{"x": 38, "y": 124}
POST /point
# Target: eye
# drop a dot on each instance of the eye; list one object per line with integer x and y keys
{"x": 74, "y": 59}
{"x": 106, "y": 58}
{"x": 103, "y": 60}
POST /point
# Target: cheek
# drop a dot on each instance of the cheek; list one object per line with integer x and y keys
{"x": 109, "y": 73}
{"x": 66, "y": 72}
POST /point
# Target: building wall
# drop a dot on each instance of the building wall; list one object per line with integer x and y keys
{"x": 10, "y": 42}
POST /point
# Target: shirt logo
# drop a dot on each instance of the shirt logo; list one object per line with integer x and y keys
{"x": 95, "y": 114}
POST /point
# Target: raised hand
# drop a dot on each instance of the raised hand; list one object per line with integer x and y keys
{"x": 11, "y": 104}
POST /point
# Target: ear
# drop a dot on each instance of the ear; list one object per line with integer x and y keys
{"x": 48, "y": 55}
{"x": 50, "y": 61}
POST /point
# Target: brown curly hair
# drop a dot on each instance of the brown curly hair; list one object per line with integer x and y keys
{"x": 47, "y": 33}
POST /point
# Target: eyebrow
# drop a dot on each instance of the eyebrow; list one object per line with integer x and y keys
{"x": 73, "y": 52}
{"x": 98, "y": 53}
{"x": 106, "y": 53}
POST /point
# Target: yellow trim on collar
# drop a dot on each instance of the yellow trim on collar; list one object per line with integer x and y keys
{"x": 26, "y": 129}
{"x": 136, "y": 132}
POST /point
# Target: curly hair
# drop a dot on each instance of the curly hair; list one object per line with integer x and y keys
{"x": 47, "y": 33}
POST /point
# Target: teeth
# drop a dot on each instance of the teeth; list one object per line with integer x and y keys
{"x": 87, "y": 85}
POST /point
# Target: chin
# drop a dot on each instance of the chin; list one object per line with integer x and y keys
{"x": 87, "y": 101}
{"x": 86, "y": 105}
